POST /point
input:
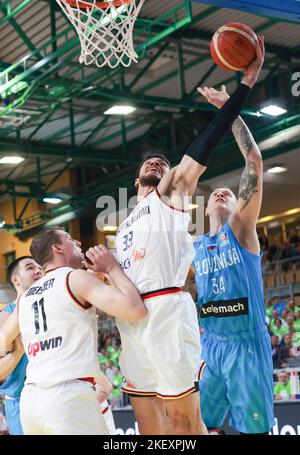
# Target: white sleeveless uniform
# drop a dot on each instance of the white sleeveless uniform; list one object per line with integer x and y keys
{"x": 161, "y": 353}
{"x": 59, "y": 339}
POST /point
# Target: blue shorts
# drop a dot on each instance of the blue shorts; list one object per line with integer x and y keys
{"x": 12, "y": 415}
{"x": 238, "y": 379}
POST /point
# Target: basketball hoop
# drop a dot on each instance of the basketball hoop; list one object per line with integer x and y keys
{"x": 105, "y": 29}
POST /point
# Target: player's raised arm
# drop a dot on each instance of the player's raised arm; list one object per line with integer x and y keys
{"x": 196, "y": 159}
{"x": 251, "y": 186}
{"x": 123, "y": 300}
{"x": 250, "y": 192}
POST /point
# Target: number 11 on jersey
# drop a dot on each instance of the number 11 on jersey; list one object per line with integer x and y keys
{"x": 35, "y": 307}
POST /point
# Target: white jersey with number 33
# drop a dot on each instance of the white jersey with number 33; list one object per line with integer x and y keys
{"x": 153, "y": 245}
{"x": 58, "y": 333}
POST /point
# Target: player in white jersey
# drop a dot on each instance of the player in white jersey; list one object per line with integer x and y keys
{"x": 160, "y": 360}
{"x": 57, "y": 322}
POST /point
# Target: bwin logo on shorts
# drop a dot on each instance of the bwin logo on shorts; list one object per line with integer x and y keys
{"x": 225, "y": 308}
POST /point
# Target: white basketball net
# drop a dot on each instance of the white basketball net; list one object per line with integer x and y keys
{"x": 105, "y": 29}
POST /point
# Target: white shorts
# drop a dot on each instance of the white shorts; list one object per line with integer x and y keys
{"x": 161, "y": 354}
{"x": 68, "y": 408}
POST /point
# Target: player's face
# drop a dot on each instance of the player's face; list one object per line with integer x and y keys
{"x": 27, "y": 273}
{"x": 221, "y": 202}
{"x": 71, "y": 249}
{"x": 152, "y": 171}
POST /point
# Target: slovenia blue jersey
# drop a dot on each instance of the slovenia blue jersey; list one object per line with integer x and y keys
{"x": 229, "y": 284}
{"x": 14, "y": 383}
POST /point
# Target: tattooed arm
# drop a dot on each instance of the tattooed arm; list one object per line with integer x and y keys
{"x": 244, "y": 217}
{"x": 250, "y": 191}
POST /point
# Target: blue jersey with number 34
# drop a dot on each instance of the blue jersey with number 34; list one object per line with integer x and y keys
{"x": 229, "y": 284}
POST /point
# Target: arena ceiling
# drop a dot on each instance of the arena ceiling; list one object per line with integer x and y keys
{"x": 52, "y": 109}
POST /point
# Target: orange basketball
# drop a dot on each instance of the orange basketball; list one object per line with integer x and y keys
{"x": 232, "y": 46}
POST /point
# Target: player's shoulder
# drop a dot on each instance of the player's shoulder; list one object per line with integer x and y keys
{"x": 82, "y": 275}
{"x": 78, "y": 273}
{"x": 199, "y": 240}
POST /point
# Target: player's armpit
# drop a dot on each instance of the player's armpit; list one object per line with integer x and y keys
{"x": 187, "y": 173}
{"x": 180, "y": 181}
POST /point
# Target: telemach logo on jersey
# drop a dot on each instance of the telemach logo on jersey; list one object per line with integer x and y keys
{"x": 224, "y": 308}
{"x": 44, "y": 345}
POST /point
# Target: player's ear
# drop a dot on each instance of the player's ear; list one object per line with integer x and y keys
{"x": 57, "y": 248}
{"x": 136, "y": 183}
{"x": 15, "y": 280}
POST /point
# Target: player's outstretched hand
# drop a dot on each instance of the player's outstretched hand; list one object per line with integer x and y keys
{"x": 252, "y": 72}
{"x": 215, "y": 97}
{"x": 101, "y": 260}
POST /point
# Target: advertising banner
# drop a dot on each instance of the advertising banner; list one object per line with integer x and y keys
{"x": 287, "y": 420}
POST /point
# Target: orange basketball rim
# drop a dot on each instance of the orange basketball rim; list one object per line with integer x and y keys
{"x": 83, "y": 4}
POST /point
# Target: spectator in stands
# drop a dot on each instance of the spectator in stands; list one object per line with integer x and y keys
{"x": 100, "y": 340}
{"x": 279, "y": 304}
{"x": 274, "y": 314}
{"x": 110, "y": 371}
{"x": 295, "y": 341}
{"x": 265, "y": 266}
{"x": 291, "y": 307}
{"x": 269, "y": 309}
{"x": 104, "y": 357}
{"x": 279, "y": 328}
{"x": 274, "y": 318}
{"x": 274, "y": 252}
{"x": 294, "y": 238}
{"x": 284, "y": 351}
{"x": 103, "y": 368}
{"x": 116, "y": 394}
{"x": 264, "y": 242}
{"x": 282, "y": 390}
{"x": 296, "y": 324}
{"x": 275, "y": 350}
{"x": 290, "y": 320}
{"x": 288, "y": 251}
{"x": 113, "y": 350}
